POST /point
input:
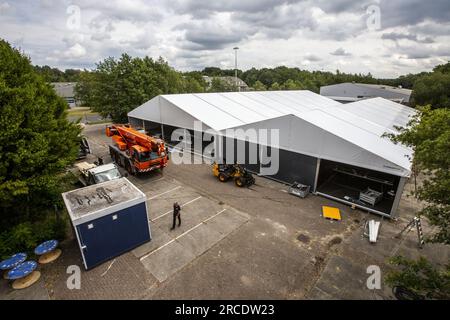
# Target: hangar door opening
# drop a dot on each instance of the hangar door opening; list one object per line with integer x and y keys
{"x": 370, "y": 189}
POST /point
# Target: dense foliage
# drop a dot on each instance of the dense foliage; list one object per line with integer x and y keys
{"x": 55, "y": 75}
{"x": 36, "y": 145}
{"x": 421, "y": 277}
{"x": 284, "y": 78}
{"x": 116, "y": 87}
{"x": 429, "y": 87}
{"x": 428, "y": 133}
{"x": 433, "y": 88}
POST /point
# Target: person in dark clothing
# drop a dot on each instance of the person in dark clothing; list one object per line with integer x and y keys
{"x": 176, "y": 214}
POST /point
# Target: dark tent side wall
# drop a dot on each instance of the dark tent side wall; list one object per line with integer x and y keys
{"x": 338, "y": 181}
{"x": 292, "y": 166}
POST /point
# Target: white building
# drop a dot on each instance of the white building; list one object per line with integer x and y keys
{"x": 66, "y": 90}
{"x": 349, "y": 92}
{"x": 337, "y": 149}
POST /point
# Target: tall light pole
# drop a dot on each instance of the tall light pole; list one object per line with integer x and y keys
{"x": 235, "y": 67}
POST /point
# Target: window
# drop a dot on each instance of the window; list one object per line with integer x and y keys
{"x": 107, "y": 175}
{"x": 147, "y": 156}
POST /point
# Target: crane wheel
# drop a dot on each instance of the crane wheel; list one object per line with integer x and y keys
{"x": 129, "y": 168}
{"x": 116, "y": 159}
{"x": 223, "y": 177}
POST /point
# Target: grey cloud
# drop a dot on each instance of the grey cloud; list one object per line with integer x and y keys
{"x": 410, "y": 12}
{"x": 340, "y": 52}
{"x": 420, "y": 51}
{"x": 312, "y": 58}
{"x": 208, "y": 35}
{"x": 431, "y": 28}
{"x": 287, "y": 18}
{"x": 204, "y": 7}
{"x": 340, "y": 6}
{"x": 136, "y": 11}
{"x": 399, "y": 36}
{"x": 39, "y": 27}
{"x": 209, "y": 40}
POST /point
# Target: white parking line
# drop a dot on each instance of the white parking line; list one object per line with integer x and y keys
{"x": 158, "y": 195}
{"x": 184, "y": 233}
{"x": 185, "y": 204}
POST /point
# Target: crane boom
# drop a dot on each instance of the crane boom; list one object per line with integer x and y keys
{"x": 134, "y": 137}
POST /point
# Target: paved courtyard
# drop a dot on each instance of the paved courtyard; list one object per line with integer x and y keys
{"x": 256, "y": 243}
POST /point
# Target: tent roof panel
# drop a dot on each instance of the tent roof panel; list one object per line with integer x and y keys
{"x": 373, "y": 143}
{"x": 361, "y": 123}
{"x": 236, "y": 109}
{"x": 208, "y": 113}
{"x": 386, "y": 113}
{"x": 252, "y": 104}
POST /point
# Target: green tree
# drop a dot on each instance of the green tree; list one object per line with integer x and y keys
{"x": 116, "y": 87}
{"x": 428, "y": 133}
{"x": 55, "y": 75}
{"x": 275, "y": 86}
{"x": 259, "y": 86}
{"x": 220, "y": 85}
{"x": 37, "y": 142}
{"x": 421, "y": 277}
{"x": 443, "y": 68}
{"x": 194, "y": 82}
{"x": 292, "y": 85}
{"x": 433, "y": 89}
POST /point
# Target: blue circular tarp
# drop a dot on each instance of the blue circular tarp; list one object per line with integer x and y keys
{"x": 13, "y": 261}
{"x": 46, "y": 247}
{"x": 22, "y": 270}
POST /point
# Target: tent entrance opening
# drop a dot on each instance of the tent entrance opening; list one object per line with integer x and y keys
{"x": 367, "y": 188}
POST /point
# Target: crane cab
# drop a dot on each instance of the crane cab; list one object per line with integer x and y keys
{"x": 136, "y": 151}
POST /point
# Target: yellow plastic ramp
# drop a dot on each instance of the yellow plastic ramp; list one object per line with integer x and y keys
{"x": 331, "y": 213}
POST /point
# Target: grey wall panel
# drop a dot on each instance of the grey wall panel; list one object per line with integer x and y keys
{"x": 291, "y": 166}
{"x": 296, "y": 167}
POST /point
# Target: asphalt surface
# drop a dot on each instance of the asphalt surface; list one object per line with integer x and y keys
{"x": 256, "y": 243}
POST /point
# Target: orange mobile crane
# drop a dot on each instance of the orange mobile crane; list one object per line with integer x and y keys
{"x": 136, "y": 151}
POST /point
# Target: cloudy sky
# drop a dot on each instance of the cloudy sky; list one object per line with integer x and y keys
{"x": 385, "y": 37}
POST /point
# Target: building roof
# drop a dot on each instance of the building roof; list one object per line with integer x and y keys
{"x": 361, "y": 123}
{"x": 95, "y": 201}
{"x": 228, "y": 79}
{"x": 385, "y": 87}
{"x": 358, "y": 91}
{"x": 64, "y": 89}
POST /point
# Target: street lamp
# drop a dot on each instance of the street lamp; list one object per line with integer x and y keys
{"x": 235, "y": 67}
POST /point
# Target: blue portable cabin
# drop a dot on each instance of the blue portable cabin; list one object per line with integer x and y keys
{"x": 109, "y": 219}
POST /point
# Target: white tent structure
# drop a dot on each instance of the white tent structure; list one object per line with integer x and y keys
{"x": 319, "y": 138}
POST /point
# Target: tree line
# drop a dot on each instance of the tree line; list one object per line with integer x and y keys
{"x": 116, "y": 86}
{"x": 37, "y": 144}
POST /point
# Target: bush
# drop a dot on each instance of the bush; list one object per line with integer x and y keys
{"x": 421, "y": 277}
{"x": 24, "y": 237}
